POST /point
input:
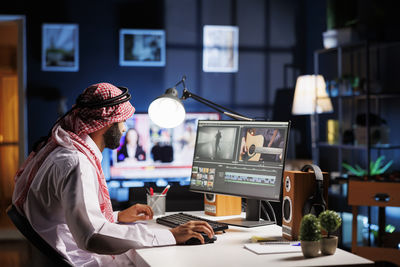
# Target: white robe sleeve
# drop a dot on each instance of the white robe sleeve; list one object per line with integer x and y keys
{"x": 90, "y": 229}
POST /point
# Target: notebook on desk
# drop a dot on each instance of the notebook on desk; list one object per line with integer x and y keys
{"x": 271, "y": 247}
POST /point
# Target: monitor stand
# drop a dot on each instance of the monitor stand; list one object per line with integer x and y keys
{"x": 252, "y": 216}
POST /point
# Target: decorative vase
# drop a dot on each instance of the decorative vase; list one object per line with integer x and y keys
{"x": 310, "y": 249}
{"x": 329, "y": 245}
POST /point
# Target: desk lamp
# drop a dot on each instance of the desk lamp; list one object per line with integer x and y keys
{"x": 310, "y": 98}
{"x": 167, "y": 110}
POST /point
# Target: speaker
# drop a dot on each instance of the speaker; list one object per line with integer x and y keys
{"x": 299, "y": 195}
{"x": 221, "y": 205}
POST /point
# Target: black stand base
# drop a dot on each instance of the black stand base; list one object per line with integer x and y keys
{"x": 242, "y": 222}
{"x": 252, "y": 216}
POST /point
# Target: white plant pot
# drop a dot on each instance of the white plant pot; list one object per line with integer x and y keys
{"x": 337, "y": 37}
{"x": 329, "y": 245}
{"x": 310, "y": 249}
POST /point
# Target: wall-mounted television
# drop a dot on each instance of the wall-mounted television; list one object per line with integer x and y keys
{"x": 148, "y": 153}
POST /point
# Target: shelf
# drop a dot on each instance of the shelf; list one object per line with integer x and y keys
{"x": 356, "y": 45}
{"x": 335, "y": 49}
{"x": 361, "y": 147}
{"x": 363, "y": 96}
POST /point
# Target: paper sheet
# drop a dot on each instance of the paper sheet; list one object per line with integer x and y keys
{"x": 265, "y": 248}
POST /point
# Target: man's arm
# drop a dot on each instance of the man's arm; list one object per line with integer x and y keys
{"x": 273, "y": 138}
{"x": 94, "y": 233}
{"x": 89, "y": 227}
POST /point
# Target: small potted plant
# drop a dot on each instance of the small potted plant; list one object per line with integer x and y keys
{"x": 330, "y": 222}
{"x": 375, "y": 168}
{"x": 310, "y": 235}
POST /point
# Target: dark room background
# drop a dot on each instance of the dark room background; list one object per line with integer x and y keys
{"x": 276, "y": 42}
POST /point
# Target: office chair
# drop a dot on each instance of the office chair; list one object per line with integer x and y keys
{"x": 26, "y": 229}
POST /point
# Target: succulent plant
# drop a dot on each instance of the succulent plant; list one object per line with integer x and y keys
{"x": 310, "y": 229}
{"x": 375, "y": 168}
{"x": 330, "y": 221}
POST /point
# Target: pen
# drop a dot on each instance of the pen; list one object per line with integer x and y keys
{"x": 151, "y": 191}
{"x": 165, "y": 190}
{"x": 281, "y": 243}
{"x": 256, "y": 239}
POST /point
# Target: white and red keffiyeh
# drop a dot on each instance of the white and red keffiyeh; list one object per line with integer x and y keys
{"x": 67, "y": 133}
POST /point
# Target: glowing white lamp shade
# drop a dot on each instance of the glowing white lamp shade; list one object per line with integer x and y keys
{"x": 310, "y": 96}
{"x": 167, "y": 111}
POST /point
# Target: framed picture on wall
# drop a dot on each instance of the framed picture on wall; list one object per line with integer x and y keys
{"x": 60, "y": 47}
{"x": 220, "y": 48}
{"x": 141, "y": 47}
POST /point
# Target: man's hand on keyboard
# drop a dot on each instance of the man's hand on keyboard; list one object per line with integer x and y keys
{"x": 192, "y": 229}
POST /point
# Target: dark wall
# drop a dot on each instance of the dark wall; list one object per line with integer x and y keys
{"x": 272, "y": 34}
{"x": 98, "y": 22}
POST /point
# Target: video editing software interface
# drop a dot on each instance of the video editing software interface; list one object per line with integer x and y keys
{"x": 240, "y": 158}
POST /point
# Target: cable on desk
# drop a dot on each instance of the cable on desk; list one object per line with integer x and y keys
{"x": 272, "y": 210}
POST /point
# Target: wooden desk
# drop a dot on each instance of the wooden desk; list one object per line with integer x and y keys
{"x": 229, "y": 250}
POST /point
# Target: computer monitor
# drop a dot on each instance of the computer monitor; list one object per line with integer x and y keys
{"x": 241, "y": 158}
{"x": 157, "y": 155}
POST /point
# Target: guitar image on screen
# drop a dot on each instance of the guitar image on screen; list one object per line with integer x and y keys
{"x": 255, "y": 147}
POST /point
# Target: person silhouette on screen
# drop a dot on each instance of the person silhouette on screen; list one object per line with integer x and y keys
{"x": 162, "y": 150}
{"x": 131, "y": 149}
{"x": 218, "y": 137}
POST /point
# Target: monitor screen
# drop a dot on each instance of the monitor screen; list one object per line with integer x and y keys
{"x": 240, "y": 158}
{"x": 148, "y": 153}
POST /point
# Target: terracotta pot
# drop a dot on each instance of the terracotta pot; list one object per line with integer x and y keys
{"x": 329, "y": 245}
{"x": 310, "y": 249}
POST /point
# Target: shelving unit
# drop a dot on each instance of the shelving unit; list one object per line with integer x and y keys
{"x": 363, "y": 147}
{"x": 368, "y": 101}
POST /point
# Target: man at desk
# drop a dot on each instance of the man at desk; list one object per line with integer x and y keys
{"x": 62, "y": 191}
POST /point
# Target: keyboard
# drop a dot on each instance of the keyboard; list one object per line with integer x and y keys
{"x": 177, "y": 219}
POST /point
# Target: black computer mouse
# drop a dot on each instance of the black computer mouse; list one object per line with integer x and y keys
{"x": 196, "y": 241}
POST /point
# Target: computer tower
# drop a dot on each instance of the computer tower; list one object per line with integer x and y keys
{"x": 297, "y": 188}
{"x": 221, "y": 205}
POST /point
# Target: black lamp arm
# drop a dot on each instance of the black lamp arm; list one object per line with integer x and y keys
{"x": 181, "y": 81}
{"x": 230, "y": 113}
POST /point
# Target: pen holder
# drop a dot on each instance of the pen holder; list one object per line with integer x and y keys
{"x": 157, "y": 203}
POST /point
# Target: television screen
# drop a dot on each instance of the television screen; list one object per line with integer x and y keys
{"x": 148, "y": 153}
